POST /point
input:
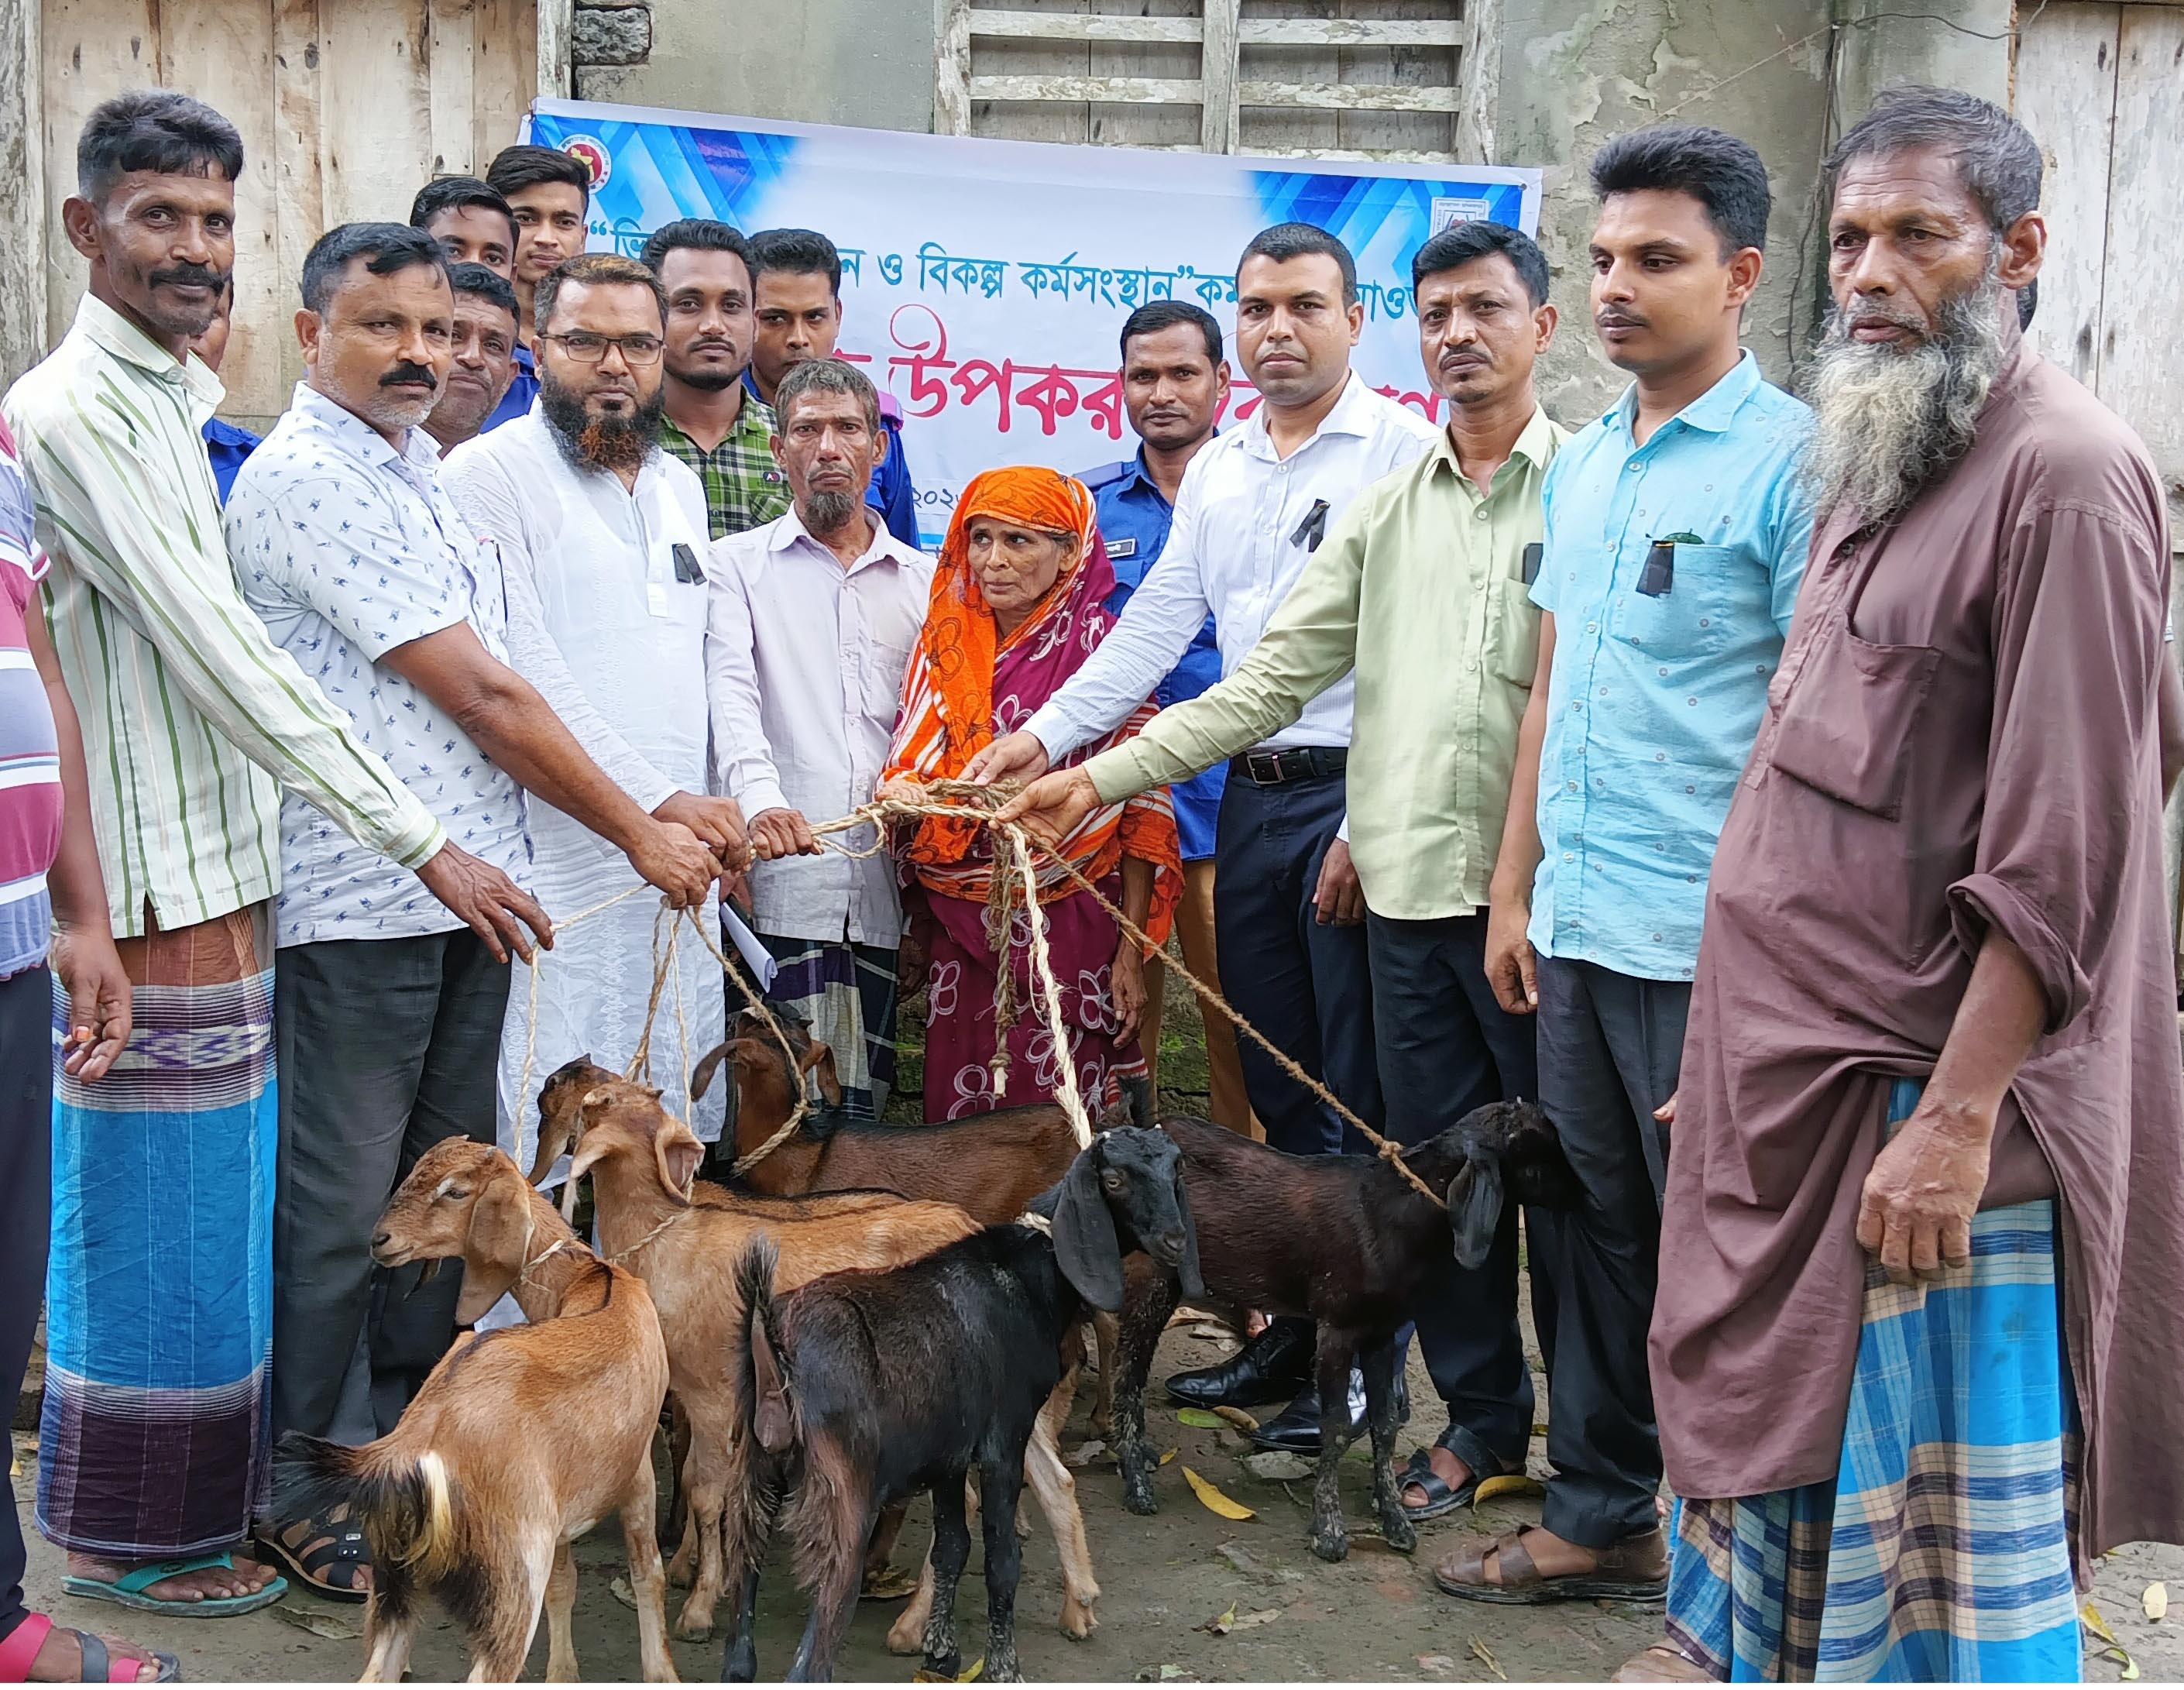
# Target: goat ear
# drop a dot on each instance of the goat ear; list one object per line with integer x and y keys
{"x": 1085, "y": 1247}
{"x": 677, "y": 1152}
{"x": 1187, "y": 1274}
{"x": 819, "y": 1061}
{"x": 1474, "y": 1208}
{"x": 494, "y": 1252}
{"x": 701, "y": 1077}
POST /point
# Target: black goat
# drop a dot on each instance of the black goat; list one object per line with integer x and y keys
{"x": 1345, "y": 1240}
{"x": 861, "y": 1389}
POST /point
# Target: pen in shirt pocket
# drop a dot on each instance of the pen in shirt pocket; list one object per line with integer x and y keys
{"x": 1659, "y": 574}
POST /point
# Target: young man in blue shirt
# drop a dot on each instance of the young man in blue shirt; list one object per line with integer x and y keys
{"x": 226, "y": 445}
{"x": 796, "y": 280}
{"x": 1676, "y": 529}
{"x": 547, "y": 192}
{"x": 1175, "y": 385}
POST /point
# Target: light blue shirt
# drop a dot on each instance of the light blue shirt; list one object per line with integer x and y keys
{"x": 1656, "y": 697}
{"x": 347, "y": 549}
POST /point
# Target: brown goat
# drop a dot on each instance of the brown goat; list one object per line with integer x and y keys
{"x": 518, "y": 1442}
{"x": 643, "y": 1163}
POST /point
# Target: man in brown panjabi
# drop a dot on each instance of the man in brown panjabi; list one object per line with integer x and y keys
{"x": 1912, "y": 1356}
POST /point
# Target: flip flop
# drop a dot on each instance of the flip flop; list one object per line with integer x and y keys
{"x": 1441, "y": 1497}
{"x": 129, "y": 1589}
{"x": 20, "y": 1648}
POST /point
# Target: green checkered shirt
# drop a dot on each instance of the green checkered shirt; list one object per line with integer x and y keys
{"x": 744, "y": 489}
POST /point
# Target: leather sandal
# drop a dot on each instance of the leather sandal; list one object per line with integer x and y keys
{"x": 318, "y": 1552}
{"x": 1635, "y": 1570}
{"x": 1441, "y": 1497}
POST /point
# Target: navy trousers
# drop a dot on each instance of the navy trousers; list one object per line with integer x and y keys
{"x": 26, "y": 1144}
{"x": 1307, "y": 985}
{"x": 1447, "y": 1048}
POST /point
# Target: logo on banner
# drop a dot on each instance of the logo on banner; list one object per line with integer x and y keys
{"x": 1444, "y": 213}
{"x": 594, "y": 152}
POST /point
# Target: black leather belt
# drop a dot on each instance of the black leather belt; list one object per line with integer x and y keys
{"x": 1265, "y": 767}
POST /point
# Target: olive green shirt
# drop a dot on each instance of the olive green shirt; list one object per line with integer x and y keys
{"x": 1420, "y": 587}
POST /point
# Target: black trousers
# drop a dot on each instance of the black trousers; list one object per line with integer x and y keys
{"x": 1610, "y": 1047}
{"x": 1307, "y": 986}
{"x": 26, "y": 1162}
{"x": 386, "y": 1046}
{"x": 1447, "y": 1047}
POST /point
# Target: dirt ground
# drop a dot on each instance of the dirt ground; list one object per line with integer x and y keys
{"x": 1375, "y": 1617}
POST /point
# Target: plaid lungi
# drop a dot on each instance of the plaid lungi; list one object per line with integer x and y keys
{"x": 159, "y": 1287}
{"x": 1940, "y": 1549}
{"x": 846, "y": 994}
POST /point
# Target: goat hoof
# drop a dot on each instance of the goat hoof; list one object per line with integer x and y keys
{"x": 1401, "y": 1535}
{"x": 950, "y": 1664}
{"x": 691, "y": 1629}
{"x": 1138, "y": 1498}
{"x": 1330, "y": 1544}
{"x": 1078, "y": 1621}
{"x": 907, "y": 1635}
{"x": 1007, "y": 1672}
{"x": 740, "y": 1664}
{"x": 1101, "y": 1425}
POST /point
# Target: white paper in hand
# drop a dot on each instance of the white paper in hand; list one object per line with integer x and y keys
{"x": 756, "y": 957}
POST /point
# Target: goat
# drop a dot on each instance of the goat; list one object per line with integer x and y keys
{"x": 517, "y": 1443}
{"x": 991, "y": 1164}
{"x": 975, "y": 1341}
{"x": 642, "y": 1164}
{"x": 1346, "y": 1240}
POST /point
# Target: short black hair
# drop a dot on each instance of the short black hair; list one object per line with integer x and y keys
{"x": 514, "y": 169}
{"x": 1723, "y": 173}
{"x": 385, "y": 248}
{"x": 154, "y": 129}
{"x": 1286, "y": 240}
{"x": 1463, "y": 244}
{"x": 488, "y": 285}
{"x": 1997, "y": 159}
{"x": 697, "y": 234}
{"x": 1156, "y": 315}
{"x": 796, "y": 252}
{"x": 455, "y": 194}
{"x": 594, "y": 270}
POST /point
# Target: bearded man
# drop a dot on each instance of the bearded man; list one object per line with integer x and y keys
{"x": 610, "y": 534}
{"x": 1922, "y": 1174}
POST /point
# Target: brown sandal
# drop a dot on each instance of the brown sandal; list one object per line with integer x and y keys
{"x": 1626, "y": 1573}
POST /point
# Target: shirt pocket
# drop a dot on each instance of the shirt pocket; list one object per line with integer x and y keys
{"x": 884, "y": 667}
{"x": 1694, "y": 617}
{"x": 1512, "y": 634}
{"x": 1850, "y": 720}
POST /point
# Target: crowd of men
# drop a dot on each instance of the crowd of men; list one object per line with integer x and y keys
{"x": 1771, "y": 789}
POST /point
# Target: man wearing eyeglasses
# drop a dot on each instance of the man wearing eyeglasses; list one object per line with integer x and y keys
{"x": 612, "y": 534}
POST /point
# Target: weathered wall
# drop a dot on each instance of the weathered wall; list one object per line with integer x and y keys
{"x": 863, "y": 61}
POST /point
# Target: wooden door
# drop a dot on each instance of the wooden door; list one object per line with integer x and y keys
{"x": 346, "y": 107}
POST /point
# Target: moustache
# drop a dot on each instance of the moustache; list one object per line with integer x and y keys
{"x": 190, "y": 276}
{"x": 1872, "y": 314}
{"x": 1620, "y": 319}
{"x": 409, "y": 375}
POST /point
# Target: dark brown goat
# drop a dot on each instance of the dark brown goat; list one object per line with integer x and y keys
{"x": 1345, "y": 1240}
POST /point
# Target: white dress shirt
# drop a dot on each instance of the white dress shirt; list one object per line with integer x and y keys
{"x": 803, "y": 663}
{"x": 1233, "y": 552}
{"x": 600, "y": 559}
{"x": 346, "y": 547}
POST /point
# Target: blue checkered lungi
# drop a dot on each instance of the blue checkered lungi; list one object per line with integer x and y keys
{"x": 1940, "y": 1550}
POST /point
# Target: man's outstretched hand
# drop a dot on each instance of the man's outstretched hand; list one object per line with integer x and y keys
{"x": 1051, "y": 807}
{"x": 494, "y": 907}
{"x": 1013, "y": 756}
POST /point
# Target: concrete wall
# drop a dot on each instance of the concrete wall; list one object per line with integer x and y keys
{"x": 868, "y": 63}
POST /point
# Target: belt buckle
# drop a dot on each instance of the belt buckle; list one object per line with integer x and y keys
{"x": 1265, "y": 768}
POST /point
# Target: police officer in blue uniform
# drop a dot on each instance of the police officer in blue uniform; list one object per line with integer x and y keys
{"x": 1175, "y": 384}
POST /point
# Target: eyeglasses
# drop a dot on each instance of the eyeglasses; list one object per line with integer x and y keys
{"x": 591, "y": 348}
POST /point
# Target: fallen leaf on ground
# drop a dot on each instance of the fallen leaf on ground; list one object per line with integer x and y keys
{"x": 890, "y": 1584}
{"x": 1264, "y": 1616}
{"x": 1436, "y": 1662}
{"x": 1219, "y": 1625}
{"x": 1539, "y": 1429}
{"x": 2156, "y": 1600}
{"x": 1210, "y": 1494}
{"x": 1167, "y": 1456}
{"x": 331, "y": 1627}
{"x": 1086, "y": 1452}
{"x": 1507, "y": 1485}
{"x": 1275, "y": 1466}
{"x": 1238, "y": 1418}
{"x": 2091, "y": 1617}
{"x": 1169, "y": 1671}
{"x": 1209, "y": 1329}
{"x": 618, "y": 1587}
{"x": 1480, "y": 1648}
{"x": 1199, "y": 1417}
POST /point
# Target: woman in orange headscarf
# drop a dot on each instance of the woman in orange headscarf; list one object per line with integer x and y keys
{"x": 1019, "y": 604}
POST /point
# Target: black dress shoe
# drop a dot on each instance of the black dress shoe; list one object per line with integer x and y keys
{"x": 1269, "y": 1368}
{"x": 1297, "y": 1428}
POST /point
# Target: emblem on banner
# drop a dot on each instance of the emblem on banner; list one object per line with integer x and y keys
{"x": 597, "y": 159}
{"x": 1445, "y": 213}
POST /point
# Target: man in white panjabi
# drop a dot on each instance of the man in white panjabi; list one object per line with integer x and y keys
{"x": 612, "y": 535}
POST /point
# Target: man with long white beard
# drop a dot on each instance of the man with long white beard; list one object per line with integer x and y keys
{"x": 610, "y": 534}
{"x": 1924, "y": 1172}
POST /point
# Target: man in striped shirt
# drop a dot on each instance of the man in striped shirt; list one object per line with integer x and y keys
{"x": 152, "y": 1446}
